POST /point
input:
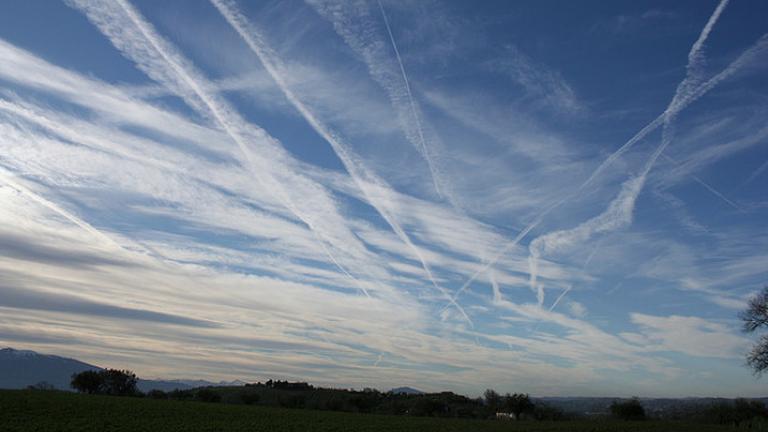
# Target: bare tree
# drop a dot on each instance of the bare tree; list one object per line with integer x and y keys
{"x": 756, "y": 317}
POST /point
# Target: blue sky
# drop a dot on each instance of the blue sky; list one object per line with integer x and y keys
{"x": 546, "y": 197}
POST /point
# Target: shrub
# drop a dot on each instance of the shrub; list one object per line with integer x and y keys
{"x": 334, "y": 404}
{"x": 630, "y": 409}
{"x": 249, "y": 398}
{"x": 89, "y": 382}
{"x": 119, "y": 382}
{"x": 294, "y": 401}
{"x": 180, "y": 394}
{"x": 542, "y": 411}
{"x": 364, "y": 402}
{"x": 107, "y": 381}
{"x": 740, "y": 411}
{"x": 207, "y": 395}
{"x": 427, "y": 406}
{"x": 518, "y": 404}
{"x": 42, "y": 385}
{"x": 157, "y": 394}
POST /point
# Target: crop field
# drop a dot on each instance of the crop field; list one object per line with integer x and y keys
{"x": 49, "y": 411}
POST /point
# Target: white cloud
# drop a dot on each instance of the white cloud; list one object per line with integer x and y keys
{"x": 577, "y": 309}
{"x": 688, "y": 335}
{"x": 229, "y": 254}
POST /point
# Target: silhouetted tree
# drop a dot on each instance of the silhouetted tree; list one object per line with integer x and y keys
{"x": 180, "y": 394}
{"x": 493, "y": 400}
{"x": 334, "y": 404}
{"x": 745, "y": 410}
{"x": 542, "y": 411}
{"x": 755, "y": 317}
{"x": 157, "y": 394}
{"x": 720, "y": 413}
{"x": 107, "y": 381}
{"x": 293, "y": 401}
{"x": 630, "y": 409}
{"x": 365, "y": 401}
{"x": 42, "y": 385}
{"x": 249, "y": 398}
{"x": 119, "y": 382}
{"x": 207, "y": 395}
{"x": 736, "y": 413}
{"x": 89, "y": 381}
{"x": 518, "y": 404}
{"x": 428, "y": 406}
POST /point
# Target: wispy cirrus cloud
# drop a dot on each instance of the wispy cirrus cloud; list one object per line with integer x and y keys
{"x": 358, "y": 25}
{"x": 163, "y": 63}
{"x": 619, "y": 212}
{"x": 689, "y": 335}
{"x": 225, "y": 212}
{"x": 376, "y": 191}
{"x": 542, "y": 86}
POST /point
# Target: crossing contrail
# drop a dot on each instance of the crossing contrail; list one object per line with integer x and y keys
{"x": 358, "y": 34}
{"x": 619, "y": 212}
{"x": 758, "y": 48}
{"x": 376, "y": 191}
{"x": 412, "y": 103}
{"x": 138, "y": 40}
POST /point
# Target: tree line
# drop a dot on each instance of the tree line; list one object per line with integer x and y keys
{"x": 515, "y": 406}
{"x": 302, "y": 395}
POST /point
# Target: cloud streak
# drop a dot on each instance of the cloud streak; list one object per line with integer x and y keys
{"x": 376, "y": 191}
{"x": 619, "y": 212}
{"x": 678, "y": 103}
{"x": 261, "y": 181}
{"x": 422, "y": 143}
{"x": 304, "y": 198}
{"x": 356, "y": 25}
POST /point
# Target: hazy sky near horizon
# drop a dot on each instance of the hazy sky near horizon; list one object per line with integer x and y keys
{"x": 559, "y": 198}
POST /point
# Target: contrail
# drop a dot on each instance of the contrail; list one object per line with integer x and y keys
{"x": 342, "y": 269}
{"x": 494, "y": 286}
{"x": 394, "y": 80}
{"x": 75, "y": 133}
{"x": 50, "y": 205}
{"x": 592, "y": 254}
{"x": 70, "y": 134}
{"x": 757, "y": 172}
{"x": 155, "y": 56}
{"x": 694, "y": 71}
{"x": 718, "y": 194}
{"x": 695, "y": 56}
{"x": 412, "y": 103}
{"x": 8, "y": 180}
{"x": 505, "y": 249}
{"x": 617, "y": 215}
{"x": 706, "y": 186}
{"x": 682, "y": 103}
{"x": 752, "y": 52}
{"x": 372, "y": 187}
{"x": 619, "y": 212}
{"x": 560, "y": 297}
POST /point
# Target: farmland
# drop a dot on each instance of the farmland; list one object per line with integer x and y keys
{"x": 23, "y": 410}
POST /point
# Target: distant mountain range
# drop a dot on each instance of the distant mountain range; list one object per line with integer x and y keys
{"x": 22, "y": 368}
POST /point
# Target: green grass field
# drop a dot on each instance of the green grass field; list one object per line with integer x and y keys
{"x": 22, "y": 410}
